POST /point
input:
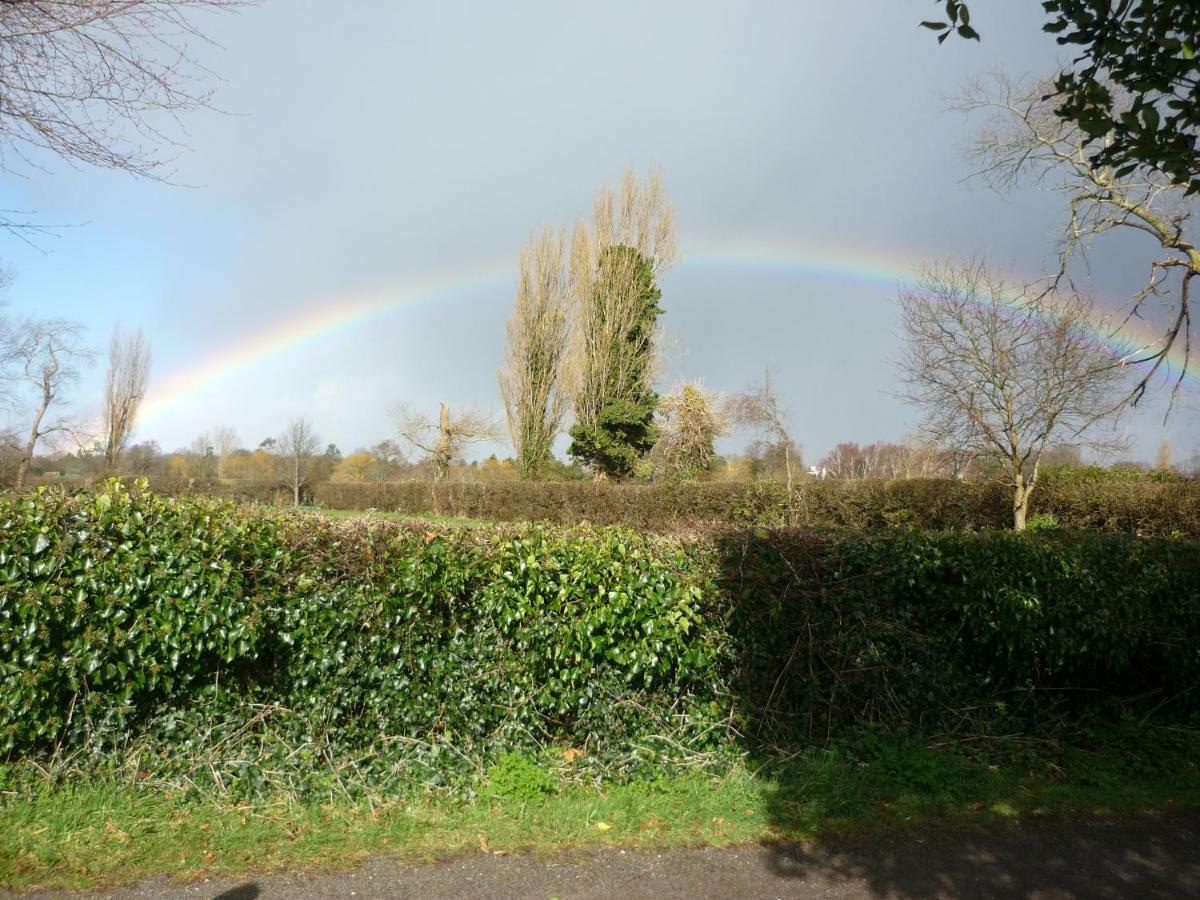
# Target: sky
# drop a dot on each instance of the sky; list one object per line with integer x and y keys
{"x": 341, "y": 235}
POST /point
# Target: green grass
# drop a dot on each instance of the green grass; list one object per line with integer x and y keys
{"x": 95, "y": 832}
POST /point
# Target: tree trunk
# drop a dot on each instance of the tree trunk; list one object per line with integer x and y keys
{"x": 31, "y": 444}
{"x": 22, "y": 469}
{"x": 443, "y": 451}
{"x": 787, "y": 463}
{"x": 1021, "y": 503}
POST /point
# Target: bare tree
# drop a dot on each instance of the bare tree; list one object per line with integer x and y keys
{"x": 691, "y": 419}
{"x": 225, "y": 442}
{"x": 759, "y": 408}
{"x": 200, "y": 457}
{"x": 43, "y": 355}
{"x": 442, "y": 441}
{"x": 877, "y": 460}
{"x": 1003, "y": 375}
{"x": 124, "y": 389}
{"x": 297, "y": 448}
{"x": 534, "y": 385}
{"x": 1024, "y": 139}
{"x": 615, "y": 266}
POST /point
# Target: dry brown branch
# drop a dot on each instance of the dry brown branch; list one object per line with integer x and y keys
{"x": 77, "y": 76}
{"x": 124, "y": 389}
{"x": 1003, "y": 374}
{"x": 96, "y": 81}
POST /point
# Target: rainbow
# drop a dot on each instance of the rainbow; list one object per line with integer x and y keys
{"x": 1129, "y": 340}
{"x": 338, "y": 316}
{"x": 875, "y": 268}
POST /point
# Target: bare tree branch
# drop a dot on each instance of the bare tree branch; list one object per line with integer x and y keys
{"x": 96, "y": 82}
{"x": 86, "y": 79}
{"x": 1024, "y": 140}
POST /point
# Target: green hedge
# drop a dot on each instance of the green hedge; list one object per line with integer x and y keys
{"x": 988, "y": 629}
{"x": 260, "y": 642}
{"x": 1093, "y": 499}
{"x": 121, "y": 609}
{"x": 1137, "y": 507}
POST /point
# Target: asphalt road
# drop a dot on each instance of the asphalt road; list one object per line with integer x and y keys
{"x": 1149, "y": 857}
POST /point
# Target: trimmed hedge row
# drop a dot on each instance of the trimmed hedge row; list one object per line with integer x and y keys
{"x": 123, "y": 614}
{"x": 1143, "y": 507}
{"x": 122, "y": 609}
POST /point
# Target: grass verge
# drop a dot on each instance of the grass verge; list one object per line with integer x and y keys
{"x": 97, "y": 832}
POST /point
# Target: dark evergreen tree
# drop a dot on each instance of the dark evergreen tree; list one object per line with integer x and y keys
{"x": 623, "y": 430}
